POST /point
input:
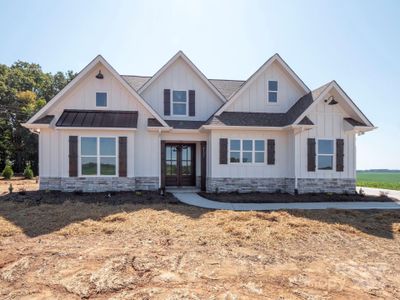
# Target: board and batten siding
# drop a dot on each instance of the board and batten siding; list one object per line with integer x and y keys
{"x": 329, "y": 125}
{"x": 254, "y": 98}
{"x": 179, "y": 76}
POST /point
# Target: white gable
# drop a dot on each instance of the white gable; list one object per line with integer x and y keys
{"x": 254, "y": 97}
{"x": 179, "y": 75}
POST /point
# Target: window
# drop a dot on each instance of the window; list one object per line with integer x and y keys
{"x": 272, "y": 91}
{"x": 325, "y": 154}
{"x": 246, "y": 151}
{"x": 179, "y": 103}
{"x": 98, "y": 156}
{"x": 101, "y": 99}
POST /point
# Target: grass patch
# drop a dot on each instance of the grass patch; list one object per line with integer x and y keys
{"x": 383, "y": 180}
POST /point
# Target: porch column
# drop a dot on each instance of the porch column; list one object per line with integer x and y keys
{"x": 203, "y": 164}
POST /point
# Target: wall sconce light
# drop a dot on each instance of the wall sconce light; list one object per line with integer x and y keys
{"x": 331, "y": 100}
{"x": 99, "y": 76}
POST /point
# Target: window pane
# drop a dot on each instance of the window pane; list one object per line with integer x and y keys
{"x": 89, "y": 165}
{"x": 273, "y": 85}
{"x": 107, "y": 166}
{"x": 179, "y": 108}
{"x": 247, "y": 157}
{"x": 259, "y": 145}
{"x": 259, "y": 157}
{"x": 89, "y": 146}
{"x": 325, "y": 162}
{"x": 179, "y": 96}
{"x": 235, "y": 157}
{"x": 101, "y": 99}
{"x": 273, "y": 97}
{"x": 107, "y": 146}
{"x": 171, "y": 168}
{"x": 186, "y": 167}
{"x": 235, "y": 145}
{"x": 325, "y": 146}
{"x": 247, "y": 145}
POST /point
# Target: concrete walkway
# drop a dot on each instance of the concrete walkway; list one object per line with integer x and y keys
{"x": 195, "y": 200}
{"x": 377, "y": 192}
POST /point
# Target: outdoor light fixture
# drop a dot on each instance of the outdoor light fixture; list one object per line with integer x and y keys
{"x": 99, "y": 76}
{"x": 332, "y": 101}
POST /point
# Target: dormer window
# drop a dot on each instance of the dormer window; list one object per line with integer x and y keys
{"x": 101, "y": 99}
{"x": 179, "y": 103}
{"x": 272, "y": 91}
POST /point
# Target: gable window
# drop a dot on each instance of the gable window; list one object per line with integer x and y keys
{"x": 101, "y": 99}
{"x": 272, "y": 91}
{"x": 98, "y": 156}
{"x": 246, "y": 151}
{"x": 179, "y": 103}
{"x": 325, "y": 154}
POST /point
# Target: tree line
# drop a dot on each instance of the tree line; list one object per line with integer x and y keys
{"x": 24, "y": 89}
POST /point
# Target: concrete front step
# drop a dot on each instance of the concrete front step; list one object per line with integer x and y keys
{"x": 182, "y": 189}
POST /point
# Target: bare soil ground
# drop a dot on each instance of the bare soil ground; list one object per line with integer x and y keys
{"x": 288, "y": 198}
{"x": 130, "y": 249}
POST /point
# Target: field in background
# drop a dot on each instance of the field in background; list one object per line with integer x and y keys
{"x": 384, "y": 180}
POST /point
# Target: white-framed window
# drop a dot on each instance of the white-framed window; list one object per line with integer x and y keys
{"x": 98, "y": 156}
{"x": 246, "y": 151}
{"x": 101, "y": 99}
{"x": 179, "y": 103}
{"x": 272, "y": 91}
{"x": 325, "y": 154}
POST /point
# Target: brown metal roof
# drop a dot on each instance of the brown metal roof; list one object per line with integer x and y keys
{"x": 98, "y": 118}
{"x": 178, "y": 124}
{"x": 44, "y": 120}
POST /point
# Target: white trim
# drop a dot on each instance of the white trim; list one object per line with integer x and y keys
{"x": 182, "y": 55}
{"x": 98, "y": 156}
{"x": 186, "y": 103}
{"x": 253, "y": 152}
{"x": 333, "y": 154}
{"x": 81, "y": 75}
{"x": 97, "y": 128}
{"x": 258, "y": 73}
{"x": 211, "y": 127}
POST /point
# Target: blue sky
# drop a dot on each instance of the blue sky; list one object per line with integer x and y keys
{"x": 357, "y": 43}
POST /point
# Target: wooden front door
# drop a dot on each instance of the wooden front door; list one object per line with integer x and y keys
{"x": 180, "y": 165}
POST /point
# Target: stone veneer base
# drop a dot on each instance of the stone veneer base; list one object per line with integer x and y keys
{"x": 271, "y": 185}
{"x": 98, "y": 184}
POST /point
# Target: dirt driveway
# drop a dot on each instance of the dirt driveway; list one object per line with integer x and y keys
{"x": 140, "y": 246}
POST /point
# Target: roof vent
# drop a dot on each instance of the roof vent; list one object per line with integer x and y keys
{"x": 99, "y": 76}
{"x": 331, "y": 100}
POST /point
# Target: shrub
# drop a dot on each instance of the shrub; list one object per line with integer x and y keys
{"x": 28, "y": 173}
{"x": 8, "y": 171}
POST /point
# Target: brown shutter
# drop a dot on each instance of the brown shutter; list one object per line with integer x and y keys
{"x": 167, "y": 102}
{"x": 122, "y": 150}
{"x": 73, "y": 156}
{"x": 271, "y": 152}
{"x": 311, "y": 155}
{"x": 223, "y": 151}
{"x": 192, "y": 103}
{"x": 339, "y": 155}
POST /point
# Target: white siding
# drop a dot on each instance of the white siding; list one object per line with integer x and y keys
{"x": 330, "y": 125}
{"x": 179, "y": 76}
{"x": 254, "y": 98}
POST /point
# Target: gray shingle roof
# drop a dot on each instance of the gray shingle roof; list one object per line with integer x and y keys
{"x": 153, "y": 122}
{"x": 185, "y": 124}
{"x": 98, "y": 118}
{"x": 227, "y": 87}
{"x": 136, "y": 81}
{"x": 353, "y": 122}
{"x": 44, "y": 120}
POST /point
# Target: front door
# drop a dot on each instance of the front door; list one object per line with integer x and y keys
{"x": 180, "y": 165}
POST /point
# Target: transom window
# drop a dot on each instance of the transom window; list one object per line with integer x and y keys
{"x": 272, "y": 91}
{"x": 246, "y": 151}
{"x": 325, "y": 154}
{"x": 101, "y": 99}
{"x": 179, "y": 103}
{"x": 98, "y": 156}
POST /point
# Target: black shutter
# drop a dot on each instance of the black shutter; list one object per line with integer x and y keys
{"x": 122, "y": 151}
{"x": 73, "y": 156}
{"x": 167, "y": 102}
{"x": 271, "y": 152}
{"x": 192, "y": 103}
{"x": 223, "y": 151}
{"x": 339, "y": 155}
{"x": 311, "y": 155}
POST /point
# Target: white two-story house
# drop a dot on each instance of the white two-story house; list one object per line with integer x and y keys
{"x": 105, "y": 131}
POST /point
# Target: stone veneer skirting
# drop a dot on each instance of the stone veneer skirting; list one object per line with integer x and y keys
{"x": 98, "y": 184}
{"x": 271, "y": 185}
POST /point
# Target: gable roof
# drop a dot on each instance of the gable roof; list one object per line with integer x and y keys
{"x": 276, "y": 57}
{"x": 82, "y": 74}
{"x": 136, "y": 81}
{"x": 181, "y": 55}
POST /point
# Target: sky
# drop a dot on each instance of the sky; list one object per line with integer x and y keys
{"x": 356, "y": 43}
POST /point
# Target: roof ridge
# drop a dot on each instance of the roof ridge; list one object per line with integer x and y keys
{"x": 243, "y": 80}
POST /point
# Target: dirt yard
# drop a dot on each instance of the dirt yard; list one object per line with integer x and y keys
{"x": 123, "y": 248}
